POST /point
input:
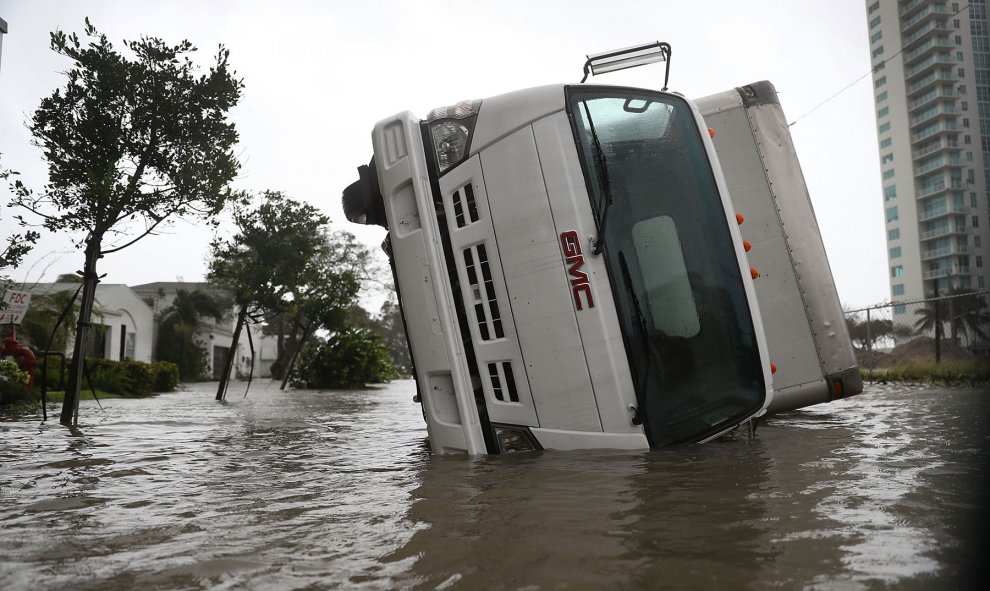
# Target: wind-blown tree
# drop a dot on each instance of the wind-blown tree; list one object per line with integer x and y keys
{"x": 177, "y": 327}
{"x": 964, "y": 312}
{"x": 326, "y": 291}
{"x": 131, "y": 141}
{"x": 389, "y": 325}
{"x": 266, "y": 261}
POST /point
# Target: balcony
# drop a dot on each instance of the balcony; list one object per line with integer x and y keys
{"x": 943, "y": 211}
{"x": 931, "y": 96}
{"x": 932, "y": 131}
{"x": 937, "y": 146}
{"x": 924, "y": 48}
{"x": 932, "y": 113}
{"x": 942, "y": 58}
{"x": 910, "y": 6}
{"x": 920, "y": 33}
{"x": 937, "y": 163}
{"x": 953, "y": 270}
{"x": 945, "y": 251}
{"x": 929, "y": 13}
{"x": 947, "y": 231}
{"x": 927, "y": 81}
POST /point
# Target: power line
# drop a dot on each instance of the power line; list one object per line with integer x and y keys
{"x": 875, "y": 68}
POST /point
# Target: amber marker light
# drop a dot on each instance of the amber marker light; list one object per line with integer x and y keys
{"x": 740, "y": 219}
{"x": 747, "y": 245}
{"x": 773, "y": 368}
{"x": 711, "y": 132}
{"x": 753, "y": 272}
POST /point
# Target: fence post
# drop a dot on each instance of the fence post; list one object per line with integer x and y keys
{"x": 869, "y": 341}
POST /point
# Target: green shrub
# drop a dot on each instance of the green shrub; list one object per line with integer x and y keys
{"x": 165, "y": 376}
{"x": 127, "y": 378}
{"x": 348, "y": 359}
{"x": 13, "y": 384}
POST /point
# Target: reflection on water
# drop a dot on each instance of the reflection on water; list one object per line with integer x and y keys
{"x": 310, "y": 490}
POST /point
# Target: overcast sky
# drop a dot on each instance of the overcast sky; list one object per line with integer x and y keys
{"x": 319, "y": 74}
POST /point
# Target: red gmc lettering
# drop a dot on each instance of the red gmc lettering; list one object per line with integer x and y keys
{"x": 579, "y": 279}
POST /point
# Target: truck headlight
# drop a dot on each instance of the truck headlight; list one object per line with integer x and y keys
{"x": 450, "y": 131}
{"x": 512, "y": 438}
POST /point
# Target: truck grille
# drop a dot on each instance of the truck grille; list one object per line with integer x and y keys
{"x": 465, "y": 208}
{"x": 486, "y": 307}
{"x": 502, "y": 381}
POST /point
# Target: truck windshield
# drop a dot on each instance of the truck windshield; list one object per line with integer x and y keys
{"x": 678, "y": 289}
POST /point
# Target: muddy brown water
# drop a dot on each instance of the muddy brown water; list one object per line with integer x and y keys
{"x": 327, "y": 490}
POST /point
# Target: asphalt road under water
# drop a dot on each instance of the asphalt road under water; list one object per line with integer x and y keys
{"x": 323, "y": 490}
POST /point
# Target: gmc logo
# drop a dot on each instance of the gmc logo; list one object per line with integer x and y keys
{"x": 578, "y": 278}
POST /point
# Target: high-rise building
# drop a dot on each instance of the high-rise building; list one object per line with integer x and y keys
{"x": 931, "y": 81}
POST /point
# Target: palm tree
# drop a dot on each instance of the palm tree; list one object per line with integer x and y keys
{"x": 177, "y": 326}
{"x": 965, "y": 311}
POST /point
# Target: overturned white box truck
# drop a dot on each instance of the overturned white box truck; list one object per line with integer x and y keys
{"x": 574, "y": 274}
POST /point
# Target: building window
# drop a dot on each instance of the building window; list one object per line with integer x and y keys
{"x": 885, "y": 143}
{"x": 964, "y": 106}
{"x": 874, "y": 22}
{"x": 961, "y": 72}
{"x": 959, "y": 56}
{"x": 980, "y": 281}
{"x": 876, "y": 36}
{"x": 969, "y": 156}
{"x": 955, "y": 23}
{"x": 892, "y": 214}
{"x": 976, "y": 221}
{"x": 979, "y": 262}
{"x": 888, "y": 174}
{"x": 897, "y": 271}
{"x": 882, "y": 97}
{"x": 958, "y": 39}
{"x": 962, "y": 89}
{"x": 976, "y": 241}
{"x": 880, "y": 82}
{"x": 878, "y": 51}
{"x": 900, "y": 309}
{"x": 967, "y": 140}
{"x": 893, "y": 234}
{"x": 873, "y": 7}
{"x": 889, "y": 193}
{"x": 883, "y": 112}
{"x": 965, "y": 122}
{"x": 897, "y": 289}
{"x": 895, "y": 253}
{"x": 884, "y": 128}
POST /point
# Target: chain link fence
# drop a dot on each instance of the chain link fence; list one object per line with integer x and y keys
{"x": 948, "y": 329}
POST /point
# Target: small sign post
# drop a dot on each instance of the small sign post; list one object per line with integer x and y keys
{"x": 15, "y": 305}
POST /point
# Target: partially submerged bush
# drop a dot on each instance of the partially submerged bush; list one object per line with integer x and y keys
{"x": 13, "y": 383}
{"x": 970, "y": 372}
{"x": 348, "y": 359}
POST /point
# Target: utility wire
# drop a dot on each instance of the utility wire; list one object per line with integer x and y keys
{"x": 875, "y": 68}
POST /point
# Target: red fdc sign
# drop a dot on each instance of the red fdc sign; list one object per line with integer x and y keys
{"x": 574, "y": 259}
{"x": 15, "y": 305}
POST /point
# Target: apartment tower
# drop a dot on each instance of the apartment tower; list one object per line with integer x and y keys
{"x": 931, "y": 81}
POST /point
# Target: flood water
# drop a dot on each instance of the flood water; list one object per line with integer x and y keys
{"x": 325, "y": 490}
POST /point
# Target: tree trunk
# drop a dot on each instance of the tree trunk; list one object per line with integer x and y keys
{"x": 292, "y": 359}
{"x": 229, "y": 362}
{"x": 70, "y": 406}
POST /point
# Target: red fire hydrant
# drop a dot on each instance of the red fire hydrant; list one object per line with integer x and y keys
{"x": 24, "y": 357}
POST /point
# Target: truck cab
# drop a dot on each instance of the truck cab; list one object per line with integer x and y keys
{"x": 570, "y": 269}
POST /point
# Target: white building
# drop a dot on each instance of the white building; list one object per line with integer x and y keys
{"x": 931, "y": 78}
{"x": 122, "y": 324}
{"x": 215, "y": 336}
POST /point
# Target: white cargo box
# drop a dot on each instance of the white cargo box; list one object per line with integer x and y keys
{"x": 802, "y": 317}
